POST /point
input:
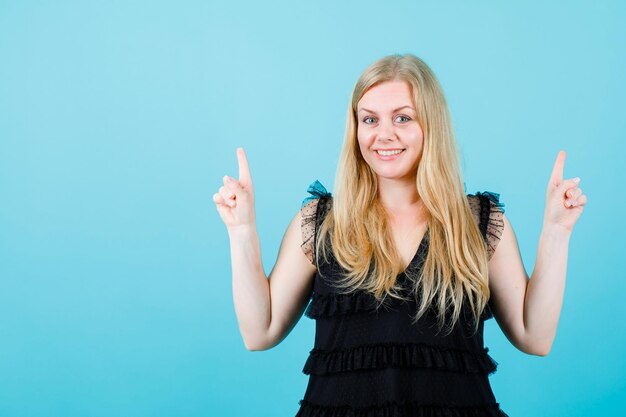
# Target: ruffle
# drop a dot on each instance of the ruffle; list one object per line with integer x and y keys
{"x": 309, "y": 215}
{"x": 317, "y": 190}
{"x": 491, "y": 221}
{"x": 404, "y": 355}
{"x": 488, "y": 211}
{"x": 336, "y": 304}
{"x": 400, "y": 409}
{"x": 333, "y": 304}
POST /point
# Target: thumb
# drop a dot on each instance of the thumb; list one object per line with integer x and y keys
{"x": 556, "y": 178}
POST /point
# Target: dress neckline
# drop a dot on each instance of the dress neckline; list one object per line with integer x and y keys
{"x": 418, "y": 252}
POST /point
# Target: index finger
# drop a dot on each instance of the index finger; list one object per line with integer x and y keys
{"x": 244, "y": 169}
{"x": 557, "y": 171}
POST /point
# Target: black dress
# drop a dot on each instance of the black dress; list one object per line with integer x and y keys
{"x": 373, "y": 362}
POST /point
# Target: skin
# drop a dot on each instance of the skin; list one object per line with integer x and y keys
{"x": 380, "y": 127}
{"x": 526, "y": 310}
{"x": 268, "y": 308}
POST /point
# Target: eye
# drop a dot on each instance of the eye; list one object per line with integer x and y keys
{"x": 405, "y": 117}
{"x": 366, "y": 119}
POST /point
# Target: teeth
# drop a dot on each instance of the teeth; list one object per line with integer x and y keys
{"x": 388, "y": 153}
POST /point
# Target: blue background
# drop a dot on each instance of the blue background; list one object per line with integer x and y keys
{"x": 118, "y": 120}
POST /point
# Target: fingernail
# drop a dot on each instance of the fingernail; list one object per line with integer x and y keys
{"x": 577, "y": 179}
{"x": 226, "y": 178}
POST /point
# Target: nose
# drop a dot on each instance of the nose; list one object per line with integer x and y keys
{"x": 385, "y": 130}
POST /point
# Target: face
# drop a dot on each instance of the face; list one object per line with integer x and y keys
{"x": 387, "y": 120}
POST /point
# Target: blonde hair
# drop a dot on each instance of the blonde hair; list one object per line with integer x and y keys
{"x": 357, "y": 225}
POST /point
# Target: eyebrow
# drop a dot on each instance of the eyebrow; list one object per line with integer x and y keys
{"x": 395, "y": 110}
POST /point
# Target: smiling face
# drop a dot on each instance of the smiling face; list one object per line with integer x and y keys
{"x": 387, "y": 120}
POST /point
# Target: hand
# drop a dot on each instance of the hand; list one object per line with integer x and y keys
{"x": 235, "y": 199}
{"x": 564, "y": 199}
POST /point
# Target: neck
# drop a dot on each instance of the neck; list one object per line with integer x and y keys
{"x": 398, "y": 196}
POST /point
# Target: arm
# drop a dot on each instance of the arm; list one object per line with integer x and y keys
{"x": 268, "y": 309}
{"x": 544, "y": 296}
{"x": 528, "y": 311}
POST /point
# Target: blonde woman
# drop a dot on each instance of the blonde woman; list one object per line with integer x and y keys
{"x": 400, "y": 265}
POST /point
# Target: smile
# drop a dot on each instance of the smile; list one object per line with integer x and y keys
{"x": 388, "y": 152}
{"x": 389, "y": 155}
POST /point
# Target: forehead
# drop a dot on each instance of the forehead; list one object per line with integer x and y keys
{"x": 387, "y": 95}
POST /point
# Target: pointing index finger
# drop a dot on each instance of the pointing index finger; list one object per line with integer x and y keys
{"x": 244, "y": 169}
{"x": 557, "y": 171}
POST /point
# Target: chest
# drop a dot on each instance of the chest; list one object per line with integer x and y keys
{"x": 407, "y": 238}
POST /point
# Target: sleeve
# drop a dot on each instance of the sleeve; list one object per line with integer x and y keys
{"x": 488, "y": 211}
{"x": 309, "y": 216}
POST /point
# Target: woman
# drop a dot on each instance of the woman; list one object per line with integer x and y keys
{"x": 401, "y": 265}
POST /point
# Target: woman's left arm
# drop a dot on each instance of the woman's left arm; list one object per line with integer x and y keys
{"x": 528, "y": 310}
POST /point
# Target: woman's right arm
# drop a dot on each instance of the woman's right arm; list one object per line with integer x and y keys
{"x": 267, "y": 309}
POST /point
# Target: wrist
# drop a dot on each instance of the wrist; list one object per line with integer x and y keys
{"x": 556, "y": 231}
{"x": 242, "y": 231}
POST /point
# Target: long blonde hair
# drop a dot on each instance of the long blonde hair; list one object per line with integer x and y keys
{"x": 357, "y": 224}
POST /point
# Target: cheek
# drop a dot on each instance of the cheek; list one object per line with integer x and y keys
{"x": 417, "y": 137}
{"x": 362, "y": 142}
{"x": 420, "y": 134}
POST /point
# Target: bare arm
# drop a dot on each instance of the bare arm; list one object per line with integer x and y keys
{"x": 251, "y": 294}
{"x": 268, "y": 309}
{"x": 528, "y": 311}
{"x": 509, "y": 284}
{"x": 544, "y": 295}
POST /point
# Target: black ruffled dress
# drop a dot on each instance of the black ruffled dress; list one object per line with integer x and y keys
{"x": 373, "y": 362}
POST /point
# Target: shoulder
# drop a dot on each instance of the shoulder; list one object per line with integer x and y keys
{"x": 317, "y": 192}
{"x": 485, "y": 201}
{"x": 486, "y": 204}
{"x": 318, "y": 197}
{"x": 488, "y": 212}
{"x": 311, "y": 206}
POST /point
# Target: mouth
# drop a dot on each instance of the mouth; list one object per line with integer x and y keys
{"x": 388, "y": 154}
{"x": 389, "y": 151}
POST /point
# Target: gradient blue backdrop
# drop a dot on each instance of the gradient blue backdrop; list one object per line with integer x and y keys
{"x": 118, "y": 120}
